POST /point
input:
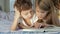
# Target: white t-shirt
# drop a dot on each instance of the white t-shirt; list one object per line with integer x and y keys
{"x": 33, "y": 20}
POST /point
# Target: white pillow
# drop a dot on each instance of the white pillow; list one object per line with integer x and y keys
{"x": 11, "y": 16}
{"x": 3, "y": 15}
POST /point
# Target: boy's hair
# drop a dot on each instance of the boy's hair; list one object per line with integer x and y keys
{"x": 23, "y": 4}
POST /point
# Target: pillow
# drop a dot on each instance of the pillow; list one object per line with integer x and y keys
{"x": 3, "y": 15}
{"x": 11, "y": 15}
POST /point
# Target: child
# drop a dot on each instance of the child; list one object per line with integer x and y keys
{"x": 23, "y": 10}
{"x": 44, "y": 9}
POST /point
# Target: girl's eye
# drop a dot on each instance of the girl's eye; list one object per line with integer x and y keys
{"x": 42, "y": 12}
{"x": 37, "y": 11}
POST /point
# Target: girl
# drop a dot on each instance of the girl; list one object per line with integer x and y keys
{"x": 45, "y": 13}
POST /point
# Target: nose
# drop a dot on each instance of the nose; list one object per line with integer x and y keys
{"x": 41, "y": 15}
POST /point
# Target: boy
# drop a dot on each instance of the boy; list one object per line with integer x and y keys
{"x": 23, "y": 10}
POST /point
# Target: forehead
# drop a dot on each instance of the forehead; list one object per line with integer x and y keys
{"x": 40, "y": 10}
{"x": 27, "y": 10}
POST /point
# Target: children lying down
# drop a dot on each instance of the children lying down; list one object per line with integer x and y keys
{"x": 25, "y": 18}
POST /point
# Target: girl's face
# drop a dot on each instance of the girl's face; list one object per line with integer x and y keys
{"x": 27, "y": 14}
{"x": 40, "y": 13}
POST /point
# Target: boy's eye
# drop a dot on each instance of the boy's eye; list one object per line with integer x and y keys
{"x": 26, "y": 13}
{"x": 30, "y": 11}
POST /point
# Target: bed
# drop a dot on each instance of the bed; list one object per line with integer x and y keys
{"x": 5, "y": 25}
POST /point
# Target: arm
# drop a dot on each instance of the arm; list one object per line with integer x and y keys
{"x": 21, "y": 26}
{"x": 16, "y": 17}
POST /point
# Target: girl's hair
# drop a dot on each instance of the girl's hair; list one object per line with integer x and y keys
{"x": 44, "y": 4}
{"x": 51, "y": 16}
{"x": 47, "y": 5}
{"x": 23, "y": 4}
{"x": 56, "y": 3}
{"x": 55, "y": 13}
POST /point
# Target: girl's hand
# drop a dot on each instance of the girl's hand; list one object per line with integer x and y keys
{"x": 39, "y": 25}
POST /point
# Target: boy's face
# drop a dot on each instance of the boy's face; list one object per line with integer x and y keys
{"x": 27, "y": 14}
{"x": 40, "y": 13}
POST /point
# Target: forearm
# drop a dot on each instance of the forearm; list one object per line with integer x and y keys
{"x": 14, "y": 26}
{"x": 28, "y": 22}
{"x": 15, "y": 22}
{"x": 22, "y": 26}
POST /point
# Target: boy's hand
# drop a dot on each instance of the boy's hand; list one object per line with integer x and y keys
{"x": 15, "y": 21}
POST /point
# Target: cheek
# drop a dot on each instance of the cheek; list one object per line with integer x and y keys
{"x": 37, "y": 14}
{"x": 29, "y": 15}
{"x": 23, "y": 15}
{"x": 26, "y": 16}
{"x": 43, "y": 15}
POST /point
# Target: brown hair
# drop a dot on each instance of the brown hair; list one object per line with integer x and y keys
{"x": 45, "y": 5}
{"x": 51, "y": 16}
{"x": 23, "y": 4}
{"x": 56, "y": 3}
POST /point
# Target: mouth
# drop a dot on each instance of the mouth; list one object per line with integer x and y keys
{"x": 40, "y": 17}
{"x": 30, "y": 17}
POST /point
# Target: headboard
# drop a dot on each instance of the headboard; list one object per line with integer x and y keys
{"x": 0, "y": 8}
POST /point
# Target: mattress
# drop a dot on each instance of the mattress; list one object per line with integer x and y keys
{"x": 5, "y": 29}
